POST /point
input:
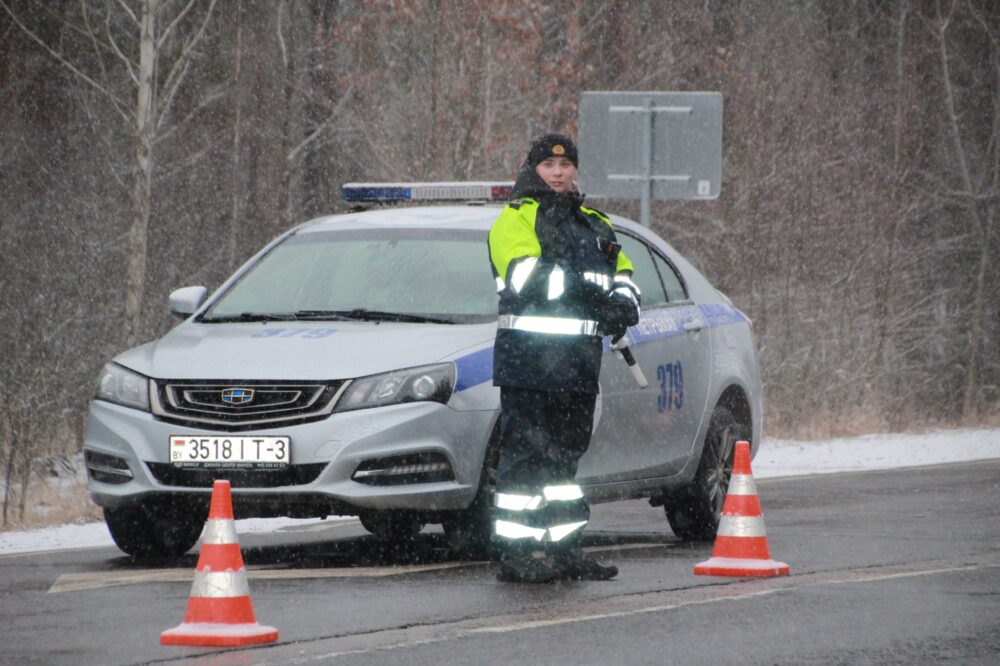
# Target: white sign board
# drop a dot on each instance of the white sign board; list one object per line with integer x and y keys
{"x": 651, "y": 145}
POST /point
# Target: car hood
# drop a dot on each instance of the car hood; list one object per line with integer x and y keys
{"x": 300, "y": 350}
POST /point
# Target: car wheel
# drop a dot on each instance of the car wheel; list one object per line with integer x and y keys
{"x": 695, "y": 510}
{"x": 469, "y": 532}
{"x": 151, "y": 531}
{"x": 392, "y": 523}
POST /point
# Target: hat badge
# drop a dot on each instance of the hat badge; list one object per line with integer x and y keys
{"x": 558, "y": 149}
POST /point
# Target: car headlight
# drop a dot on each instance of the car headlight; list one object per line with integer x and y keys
{"x": 123, "y": 387}
{"x": 426, "y": 383}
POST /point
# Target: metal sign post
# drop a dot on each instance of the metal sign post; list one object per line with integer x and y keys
{"x": 651, "y": 145}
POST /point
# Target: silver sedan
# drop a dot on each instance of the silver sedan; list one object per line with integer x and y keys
{"x": 347, "y": 369}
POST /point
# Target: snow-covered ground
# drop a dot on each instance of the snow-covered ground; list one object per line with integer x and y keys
{"x": 779, "y": 457}
{"x": 776, "y": 458}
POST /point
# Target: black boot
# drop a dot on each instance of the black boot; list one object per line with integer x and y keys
{"x": 574, "y": 564}
{"x": 525, "y": 569}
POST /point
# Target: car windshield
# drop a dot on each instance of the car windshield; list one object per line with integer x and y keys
{"x": 387, "y": 274}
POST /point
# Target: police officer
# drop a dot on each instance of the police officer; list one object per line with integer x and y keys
{"x": 563, "y": 283}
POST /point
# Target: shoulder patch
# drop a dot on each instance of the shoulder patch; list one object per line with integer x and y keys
{"x": 599, "y": 213}
{"x": 523, "y": 201}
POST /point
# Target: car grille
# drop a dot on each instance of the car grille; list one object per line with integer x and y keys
{"x": 239, "y": 405}
{"x": 293, "y": 475}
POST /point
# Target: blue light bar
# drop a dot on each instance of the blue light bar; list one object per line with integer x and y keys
{"x": 401, "y": 192}
{"x": 365, "y": 192}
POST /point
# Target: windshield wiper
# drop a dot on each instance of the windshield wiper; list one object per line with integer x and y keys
{"x": 249, "y": 317}
{"x": 335, "y": 315}
{"x": 380, "y": 315}
{"x": 357, "y": 314}
{"x": 362, "y": 314}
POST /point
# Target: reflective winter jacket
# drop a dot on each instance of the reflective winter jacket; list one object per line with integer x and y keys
{"x": 557, "y": 265}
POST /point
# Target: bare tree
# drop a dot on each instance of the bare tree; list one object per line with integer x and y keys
{"x": 974, "y": 188}
{"x": 857, "y": 224}
{"x": 154, "y": 84}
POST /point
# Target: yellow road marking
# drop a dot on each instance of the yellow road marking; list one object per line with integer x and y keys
{"x": 92, "y": 580}
{"x": 98, "y": 579}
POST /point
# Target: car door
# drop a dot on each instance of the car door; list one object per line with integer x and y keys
{"x": 643, "y": 433}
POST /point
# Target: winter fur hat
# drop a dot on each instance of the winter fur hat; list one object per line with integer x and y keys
{"x": 553, "y": 145}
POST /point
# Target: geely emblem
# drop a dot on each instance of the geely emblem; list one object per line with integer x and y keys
{"x": 237, "y": 396}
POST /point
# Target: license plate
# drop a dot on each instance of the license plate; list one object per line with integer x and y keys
{"x": 237, "y": 452}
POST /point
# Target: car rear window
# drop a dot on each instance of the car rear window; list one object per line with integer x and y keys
{"x": 434, "y": 273}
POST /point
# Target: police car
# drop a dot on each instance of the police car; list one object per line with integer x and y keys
{"x": 346, "y": 369}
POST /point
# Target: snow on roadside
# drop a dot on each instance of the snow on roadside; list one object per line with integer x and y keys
{"x": 93, "y": 535}
{"x": 776, "y": 458}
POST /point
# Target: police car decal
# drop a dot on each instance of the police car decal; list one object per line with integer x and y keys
{"x": 311, "y": 333}
{"x": 667, "y": 322}
{"x": 477, "y": 368}
{"x": 671, "y": 380}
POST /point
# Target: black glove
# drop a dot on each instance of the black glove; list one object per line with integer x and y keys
{"x": 620, "y": 312}
{"x": 593, "y": 295}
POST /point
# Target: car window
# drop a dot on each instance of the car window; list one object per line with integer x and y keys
{"x": 402, "y": 271}
{"x": 675, "y": 288}
{"x": 645, "y": 272}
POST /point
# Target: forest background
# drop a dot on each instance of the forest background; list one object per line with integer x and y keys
{"x": 153, "y": 144}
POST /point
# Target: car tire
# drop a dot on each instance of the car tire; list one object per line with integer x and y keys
{"x": 155, "y": 531}
{"x": 469, "y": 532}
{"x": 392, "y": 523}
{"x": 694, "y": 511}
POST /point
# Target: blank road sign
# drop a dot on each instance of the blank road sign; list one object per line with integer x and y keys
{"x": 651, "y": 145}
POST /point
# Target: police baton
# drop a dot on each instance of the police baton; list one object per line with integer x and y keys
{"x": 621, "y": 344}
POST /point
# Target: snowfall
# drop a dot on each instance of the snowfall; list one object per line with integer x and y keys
{"x": 776, "y": 458}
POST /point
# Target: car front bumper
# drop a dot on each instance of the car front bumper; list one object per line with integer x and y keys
{"x": 331, "y": 450}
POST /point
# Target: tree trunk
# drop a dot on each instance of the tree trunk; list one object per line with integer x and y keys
{"x": 8, "y": 479}
{"x": 970, "y": 401}
{"x": 970, "y": 398}
{"x": 145, "y": 129}
{"x": 237, "y": 193}
{"x": 890, "y": 241}
{"x": 26, "y": 457}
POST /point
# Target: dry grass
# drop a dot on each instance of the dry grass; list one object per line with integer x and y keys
{"x": 860, "y": 421}
{"x": 57, "y": 502}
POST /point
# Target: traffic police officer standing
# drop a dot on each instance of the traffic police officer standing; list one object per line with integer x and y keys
{"x": 563, "y": 284}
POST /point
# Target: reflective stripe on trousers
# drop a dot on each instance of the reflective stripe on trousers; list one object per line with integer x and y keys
{"x": 562, "y": 493}
{"x": 508, "y": 529}
{"x": 523, "y": 513}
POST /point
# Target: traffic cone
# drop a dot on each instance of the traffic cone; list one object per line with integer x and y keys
{"x": 741, "y": 544}
{"x": 219, "y": 611}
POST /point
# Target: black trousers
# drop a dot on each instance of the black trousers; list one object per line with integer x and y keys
{"x": 543, "y": 435}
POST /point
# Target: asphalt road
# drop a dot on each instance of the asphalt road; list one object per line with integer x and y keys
{"x": 898, "y": 567}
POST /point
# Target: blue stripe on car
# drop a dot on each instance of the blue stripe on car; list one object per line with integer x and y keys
{"x": 474, "y": 369}
{"x": 667, "y": 322}
{"x": 477, "y": 368}
{"x": 720, "y": 315}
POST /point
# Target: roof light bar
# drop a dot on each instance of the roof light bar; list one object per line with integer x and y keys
{"x": 398, "y": 192}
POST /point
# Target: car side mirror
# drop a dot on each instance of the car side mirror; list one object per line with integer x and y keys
{"x": 186, "y": 300}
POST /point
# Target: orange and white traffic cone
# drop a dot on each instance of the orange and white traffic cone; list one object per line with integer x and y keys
{"x": 219, "y": 612}
{"x": 741, "y": 543}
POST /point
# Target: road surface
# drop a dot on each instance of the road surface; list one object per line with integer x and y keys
{"x": 895, "y": 566}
